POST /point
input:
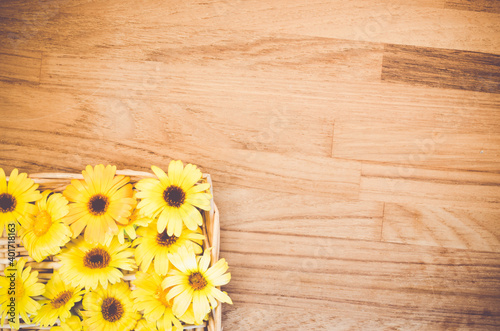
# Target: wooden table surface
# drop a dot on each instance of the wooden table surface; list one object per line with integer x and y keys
{"x": 354, "y": 145}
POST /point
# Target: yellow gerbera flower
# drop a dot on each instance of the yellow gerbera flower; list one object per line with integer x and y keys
{"x": 150, "y": 297}
{"x": 100, "y": 201}
{"x": 73, "y": 323}
{"x": 86, "y": 265}
{"x": 17, "y": 288}
{"x": 45, "y": 232}
{"x": 188, "y": 317}
{"x": 152, "y": 245}
{"x": 109, "y": 309}
{"x": 135, "y": 220}
{"x": 61, "y": 298}
{"x": 174, "y": 197}
{"x": 144, "y": 325}
{"x": 194, "y": 282}
{"x": 15, "y": 197}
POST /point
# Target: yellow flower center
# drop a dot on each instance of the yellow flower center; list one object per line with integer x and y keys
{"x": 61, "y": 299}
{"x": 174, "y": 196}
{"x": 163, "y": 239}
{"x": 197, "y": 281}
{"x": 42, "y": 224}
{"x": 161, "y": 295}
{"x": 7, "y": 203}
{"x": 96, "y": 258}
{"x": 112, "y": 309}
{"x": 98, "y": 204}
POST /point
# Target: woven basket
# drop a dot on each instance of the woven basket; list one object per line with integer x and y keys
{"x": 57, "y": 182}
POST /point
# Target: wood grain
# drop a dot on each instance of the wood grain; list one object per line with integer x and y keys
{"x": 390, "y": 183}
{"x": 437, "y": 287}
{"x": 311, "y": 214}
{"x": 353, "y": 146}
{"x": 455, "y": 227}
{"x": 442, "y": 68}
{"x": 454, "y": 128}
{"x": 325, "y": 176}
{"x": 490, "y": 6}
{"x": 417, "y": 22}
{"x": 18, "y": 65}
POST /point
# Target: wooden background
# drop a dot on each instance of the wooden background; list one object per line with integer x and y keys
{"x": 354, "y": 145}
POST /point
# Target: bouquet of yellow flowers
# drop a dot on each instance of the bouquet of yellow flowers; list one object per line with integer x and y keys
{"x": 129, "y": 256}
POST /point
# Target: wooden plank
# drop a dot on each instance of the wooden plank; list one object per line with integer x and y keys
{"x": 490, "y": 6}
{"x": 342, "y": 59}
{"x": 386, "y": 283}
{"x": 415, "y": 145}
{"x": 460, "y": 136}
{"x": 283, "y": 213}
{"x": 456, "y": 227}
{"x": 249, "y": 316}
{"x": 20, "y": 65}
{"x": 324, "y": 176}
{"x": 419, "y": 23}
{"x": 272, "y": 125}
{"x": 403, "y": 184}
{"x": 417, "y": 126}
{"x": 331, "y": 58}
{"x": 378, "y": 21}
{"x": 443, "y": 68}
{"x": 26, "y": 105}
{"x": 24, "y": 23}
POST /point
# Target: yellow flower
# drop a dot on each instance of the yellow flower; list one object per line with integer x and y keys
{"x": 61, "y": 298}
{"x": 86, "y": 265}
{"x": 15, "y": 198}
{"x": 72, "y": 323}
{"x": 174, "y": 198}
{"x": 152, "y": 245}
{"x": 188, "y": 317}
{"x": 109, "y": 309}
{"x": 45, "y": 233}
{"x": 144, "y": 325}
{"x": 17, "y": 288}
{"x": 150, "y": 297}
{"x": 194, "y": 282}
{"x": 100, "y": 201}
{"x": 135, "y": 220}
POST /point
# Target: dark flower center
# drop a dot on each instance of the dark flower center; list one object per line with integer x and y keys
{"x": 96, "y": 258}
{"x": 112, "y": 309}
{"x": 163, "y": 239}
{"x": 61, "y": 299}
{"x": 7, "y": 203}
{"x": 98, "y": 204}
{"x": 174, "y": 196}
{"x": 197, "y": 281}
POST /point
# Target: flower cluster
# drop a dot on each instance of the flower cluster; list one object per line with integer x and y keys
{"x": 101, "y": 230}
